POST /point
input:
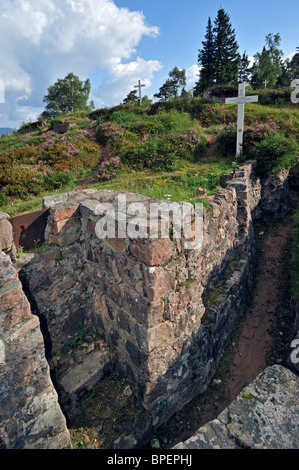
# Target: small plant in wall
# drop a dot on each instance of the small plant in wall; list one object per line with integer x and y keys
{"x": 79, "y": 338}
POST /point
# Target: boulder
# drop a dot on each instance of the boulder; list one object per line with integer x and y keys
{"x": 263, "y": 416}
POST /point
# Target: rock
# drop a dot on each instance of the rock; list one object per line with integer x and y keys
{"x": 155, "y": 444}
{"x": 84, "y": 376}
{"x": 152, "y": 253}
{"x": 125, "y": 442}
{"x": 30, "y": 414}
{"x": 61, "y": 127}
{"x": 127, "y": 391}
{"x": 263, "y": 416}
{"x": 6, "y": 233}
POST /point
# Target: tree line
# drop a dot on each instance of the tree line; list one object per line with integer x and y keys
{"x": 219, "y": 61}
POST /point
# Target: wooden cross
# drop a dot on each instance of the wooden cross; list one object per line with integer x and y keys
{"x": 265, "y": 82}
{"x": 241, "y": 99}
{"x": 139, "y": 86}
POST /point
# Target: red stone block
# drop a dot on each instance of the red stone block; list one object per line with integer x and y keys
{"x": 60, "y": 213}
{"x": 154, "y": 252}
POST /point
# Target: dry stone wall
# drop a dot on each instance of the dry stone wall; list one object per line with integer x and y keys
{"x": 168, "y": 312}
{"x": 165, "y": 313}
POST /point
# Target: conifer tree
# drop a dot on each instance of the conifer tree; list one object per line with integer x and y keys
{"x": 294, "y": 65}
{"x": 169, "y": 89}
{"x": 206, "y": 59}
{"x": 244, "y": 69}
{"x": 219, "y": 57}
{"x": 227, "y": 57}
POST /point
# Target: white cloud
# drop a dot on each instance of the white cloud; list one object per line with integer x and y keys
{"x": 122, "y": 78}
{"x": 43, "y": 40}
{"x": 192, "y": 76}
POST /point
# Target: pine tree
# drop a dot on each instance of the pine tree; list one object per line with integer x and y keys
{"x": 169, "y": 89}
{"x": 206, "y": 59}
{"x": 131, "y": 98}
{"x": 226, "y": 47}
{"x": 244, "y": 69}
{"x": 294, "y": 65}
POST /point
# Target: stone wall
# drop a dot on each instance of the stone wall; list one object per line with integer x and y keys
{"x": 165, "y": 313}
{"x": 30, "y": 416}
{"x": 168, "y": 312}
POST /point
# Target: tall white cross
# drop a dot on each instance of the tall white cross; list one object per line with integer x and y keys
{"x": 139, "y": 86}
{"x": 241, "y": 99}
{"x": 265, "y": 82}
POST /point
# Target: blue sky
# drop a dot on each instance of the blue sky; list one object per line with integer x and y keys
{"x": 115, "y": 43}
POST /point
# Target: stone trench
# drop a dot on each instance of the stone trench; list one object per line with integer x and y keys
{"x": 157, "y": 314}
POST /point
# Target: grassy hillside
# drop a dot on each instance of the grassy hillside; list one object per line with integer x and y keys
{"x": 167, "y": 151}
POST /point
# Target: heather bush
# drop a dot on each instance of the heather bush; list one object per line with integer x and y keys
{"x": 213, "y": 114}
{"x": 43, "y": 162}
{"x": 226, "y": 140}
{"x": 108, "y": 168}
{"x": 156, "y": 142}
{"x": 107, "y": 132}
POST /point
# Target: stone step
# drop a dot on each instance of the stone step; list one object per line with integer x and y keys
{"x": 85, "y": 376}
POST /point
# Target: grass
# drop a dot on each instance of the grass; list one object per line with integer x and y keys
{"x": 184, "y": 129}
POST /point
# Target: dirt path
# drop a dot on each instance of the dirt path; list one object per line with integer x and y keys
{"x": 253, "y": 340}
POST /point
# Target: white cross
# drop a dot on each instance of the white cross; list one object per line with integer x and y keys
{"x": 139, "y": 86}
{"x": 265, "y": 82}
{"x": 241, "y": 100}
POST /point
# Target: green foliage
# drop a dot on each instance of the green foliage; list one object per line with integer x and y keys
{"x": 65, "y": 95}
{"x": 226, "y": 139}
{"x": 158, "y": 142}
{"x": 244, "y": 69}
{"x": 267, "y": 64}
{"x": 80, "y": 336}
{"x": 132, "y": 97}
{"x": 219, "y": 57}
{"x": 176, "y": 80}
{"x": 206, "y": 58}
{"x": 273, "y": 153}
{"x": 43, "y": 161}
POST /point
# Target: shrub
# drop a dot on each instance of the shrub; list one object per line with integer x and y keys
{"x": 56, "y": 180}
{"x": 107, "y": 131}
{"x": 252, "y": 134}
{"x": 153, "y": 153}
{"x": 273, "y": 153}
{"x": 213, "y": 114}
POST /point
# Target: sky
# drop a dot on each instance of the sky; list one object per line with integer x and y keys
{"x": 115, "y": 43}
